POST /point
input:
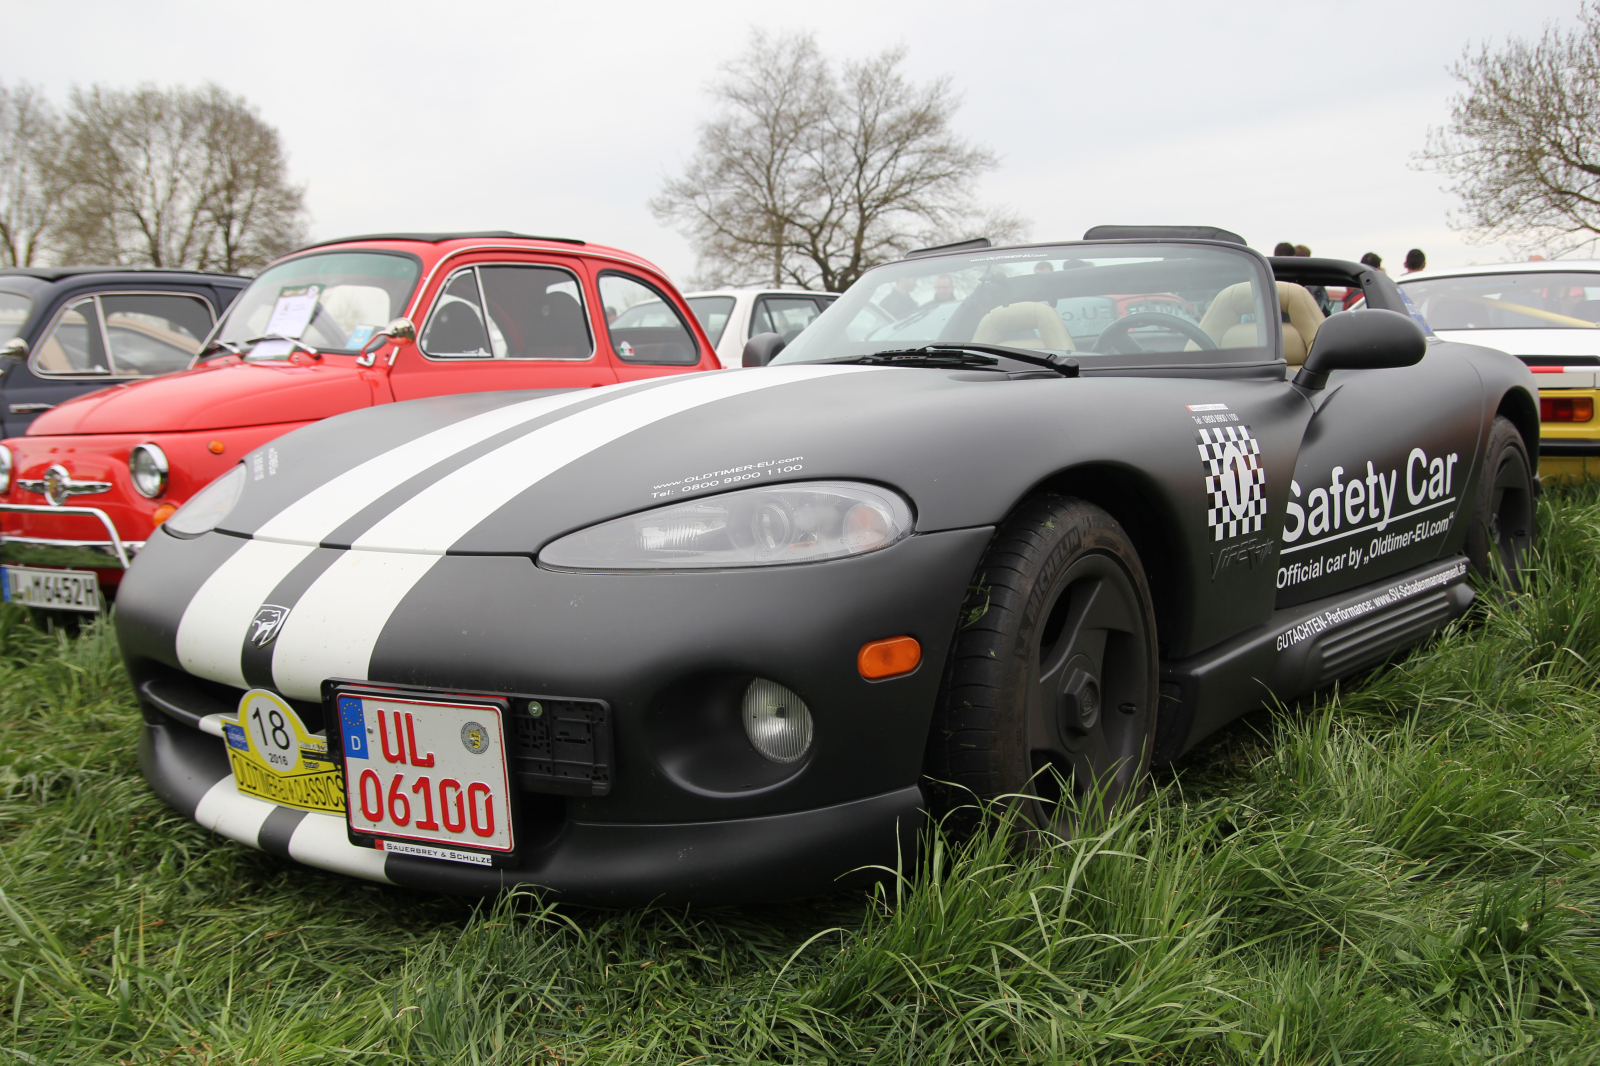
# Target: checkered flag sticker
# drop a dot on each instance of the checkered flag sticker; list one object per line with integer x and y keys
{"x": 1234, "y": 480}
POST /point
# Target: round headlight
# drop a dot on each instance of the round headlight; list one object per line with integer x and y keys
{"x": 209, "y": 506}
{"x": 148, "y": 465}
{"x": 5, "y": 469}
{"x": 777, "y": 721}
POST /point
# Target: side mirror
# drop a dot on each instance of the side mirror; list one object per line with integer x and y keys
{"x": 400, "y": 330}
{"x": 1362, "y": 340}
{"x": 15, "y": 348}
{"x": 760, "y": 349}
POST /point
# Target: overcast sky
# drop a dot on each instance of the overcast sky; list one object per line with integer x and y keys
{"x": 1280, "y": 121}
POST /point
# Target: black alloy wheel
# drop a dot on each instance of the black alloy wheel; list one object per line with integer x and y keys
{"x": 1500, "y": 538}
{"x": 1050, "y": 693}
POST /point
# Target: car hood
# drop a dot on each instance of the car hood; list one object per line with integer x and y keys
{"x": 506, "y": 473}
{"x": 212, "y": 397}
{"x": 1529, "y": 342}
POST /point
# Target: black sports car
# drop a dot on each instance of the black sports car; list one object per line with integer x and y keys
{"x": 1063, "y": 512}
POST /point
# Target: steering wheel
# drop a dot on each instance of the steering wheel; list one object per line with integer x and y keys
{"x": 1114, "y": 338}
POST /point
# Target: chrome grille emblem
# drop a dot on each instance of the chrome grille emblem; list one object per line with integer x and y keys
{"x": 57, "y": 486}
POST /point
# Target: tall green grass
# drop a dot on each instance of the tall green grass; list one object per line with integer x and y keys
{"x": 1404, "y": 871}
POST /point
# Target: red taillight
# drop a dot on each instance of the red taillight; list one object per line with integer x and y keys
{"x": 1566, "y": 409}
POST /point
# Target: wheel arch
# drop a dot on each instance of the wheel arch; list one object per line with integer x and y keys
{"x": 1523, "y": 412}
{"x": 1134, "y": 499}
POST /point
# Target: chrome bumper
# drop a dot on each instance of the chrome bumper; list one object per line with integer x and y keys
{"x": 49, "y": 551}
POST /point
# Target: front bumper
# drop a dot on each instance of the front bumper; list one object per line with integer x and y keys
{"x": 111, "y": 553}
{"x": 802, "y": 853}
{"x": 693, "y": 813}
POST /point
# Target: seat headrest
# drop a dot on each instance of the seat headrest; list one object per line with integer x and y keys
{"x": 997, "y": 325}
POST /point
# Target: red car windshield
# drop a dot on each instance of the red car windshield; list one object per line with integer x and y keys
{"x": 332, "y": 301}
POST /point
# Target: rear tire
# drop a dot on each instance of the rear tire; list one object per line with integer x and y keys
{"x": 1500, "y": 537}
{"x": 1051, "y": 688}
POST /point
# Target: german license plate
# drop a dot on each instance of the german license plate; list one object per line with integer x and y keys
{"x": 62, "y": 590}
{"x": 427, "y": 776}
{"x": 277, "y": 759}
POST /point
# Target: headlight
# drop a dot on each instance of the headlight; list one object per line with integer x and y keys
{"x": 801, "y": 522}
{"x": 209, "y": 506}
{"x": 5, "y": 469}
{"x": 777, "y": 721}
{"x": 148, "y": 465}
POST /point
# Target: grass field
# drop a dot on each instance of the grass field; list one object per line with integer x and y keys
{"x": 1405, "y": 872}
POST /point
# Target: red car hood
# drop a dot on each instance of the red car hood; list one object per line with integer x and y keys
{"x": 212, "y": 397}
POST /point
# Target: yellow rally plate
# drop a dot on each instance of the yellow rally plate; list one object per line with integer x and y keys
{"x": 276, "y": 759}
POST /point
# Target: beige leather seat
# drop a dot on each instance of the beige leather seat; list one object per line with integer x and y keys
{"x": 1223, "y": 320}
{"x": 998, "y": 325}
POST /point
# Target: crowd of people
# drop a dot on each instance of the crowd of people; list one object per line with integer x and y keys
{"x": 1414, "y": 261}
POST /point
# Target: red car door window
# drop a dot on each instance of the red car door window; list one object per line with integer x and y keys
{"x": 500, "y": 326}
{"x": 644, "y": 325}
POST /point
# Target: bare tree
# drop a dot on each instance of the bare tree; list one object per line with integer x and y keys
{"x": 30, "y": 139}
{"x": 809, "y": 176}
{"x": 175, "y": 178}
{"x": 1522, "y": 148}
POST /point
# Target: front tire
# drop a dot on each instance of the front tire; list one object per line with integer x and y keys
{"x": 1050, "y": 693}
{"x": 1500, "y": 538}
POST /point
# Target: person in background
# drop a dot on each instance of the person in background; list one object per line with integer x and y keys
{"x": 1283, "y": 248}
{"x": 899, "y": 303}
{"x": 1415, "y": 262}
{"x": 1043, "y": 267}
{"x": 1354, "y": 293}
{"x": 944, "y": 291}
{"x": 1318, "y": 293}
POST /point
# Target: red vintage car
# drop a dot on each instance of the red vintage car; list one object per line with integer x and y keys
{"x": 333, "y": 327}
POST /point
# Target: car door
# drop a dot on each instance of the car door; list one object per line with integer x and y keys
{"x": 504, "y": 324}
{"x": 785, "y": 314}
{"x": 99, "y": 338}
{"x": 1381, "y": 476}
{"x": 647, "y": 333}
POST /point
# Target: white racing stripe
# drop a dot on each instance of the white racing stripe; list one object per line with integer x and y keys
{"x": 332, "y": 630}
{"x": 226, "y": 810}
{"x": 444, "y": 512}
{"x": 212, "y": 630}
{"x": 333, "y": 627}
{"x": 322, "y": 510}
{"x": 320, "y": 840}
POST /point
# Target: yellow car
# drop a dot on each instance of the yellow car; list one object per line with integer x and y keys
{"x": 1548, "y": 315}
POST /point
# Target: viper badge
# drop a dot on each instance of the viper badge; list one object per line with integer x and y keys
{"x": 264, "y": 627}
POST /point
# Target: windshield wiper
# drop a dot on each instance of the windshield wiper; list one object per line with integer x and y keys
{"x": 973, "y": 355}
{"x": 294, "y": 342}
{"x": 214, "y": 345}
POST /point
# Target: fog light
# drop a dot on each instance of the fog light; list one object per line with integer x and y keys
{"x": 777, "y": 721}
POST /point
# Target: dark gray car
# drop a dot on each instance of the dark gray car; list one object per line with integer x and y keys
{"x": 66, "y": 331}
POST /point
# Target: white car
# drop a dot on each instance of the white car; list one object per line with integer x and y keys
{"x": 1548, "y": 315}
{"x": 731, "y": 317}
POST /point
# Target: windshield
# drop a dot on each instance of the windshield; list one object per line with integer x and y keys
{"x": 1554, "y": 300}
{"x": 14, "y": 310}
{"x": 713, "y": 313}
{"x": 1114, "y": 304}
{"x": 333, "y": 302}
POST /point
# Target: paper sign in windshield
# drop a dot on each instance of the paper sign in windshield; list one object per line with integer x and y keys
{"x": 292, "y": 313}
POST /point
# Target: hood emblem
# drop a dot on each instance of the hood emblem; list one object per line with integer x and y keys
{"x": 264, "y": 627}
{"x": 57, "y": 486}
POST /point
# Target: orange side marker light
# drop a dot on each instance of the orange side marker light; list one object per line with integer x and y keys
{"x": 162, "y": 513}
{"x": 216, "y": 447}
{"x": 879, "y": 659}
